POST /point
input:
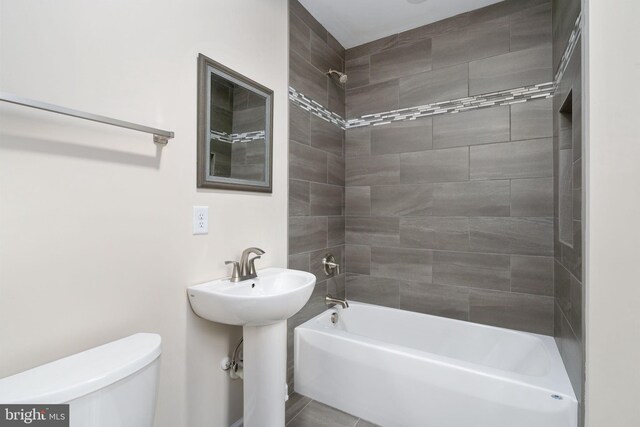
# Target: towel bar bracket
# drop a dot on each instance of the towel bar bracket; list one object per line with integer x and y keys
{"x": 158, "y": 139}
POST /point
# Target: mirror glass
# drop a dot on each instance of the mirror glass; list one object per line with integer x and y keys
{"x": 234, "y": 130}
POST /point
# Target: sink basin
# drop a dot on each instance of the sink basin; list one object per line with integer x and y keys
{"x": 275, "y": 295}
{"x": 262, "y": 306}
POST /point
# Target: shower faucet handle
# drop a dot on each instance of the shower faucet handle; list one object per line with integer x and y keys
{"x": 330, "y": 265}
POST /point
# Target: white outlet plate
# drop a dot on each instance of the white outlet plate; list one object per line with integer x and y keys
{"x": 200, "y": 219}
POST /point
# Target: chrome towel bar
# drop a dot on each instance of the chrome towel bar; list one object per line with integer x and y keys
{"x": 159, "y": 136}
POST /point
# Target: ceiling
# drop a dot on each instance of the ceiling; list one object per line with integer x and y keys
{"x": 354, "y": 22}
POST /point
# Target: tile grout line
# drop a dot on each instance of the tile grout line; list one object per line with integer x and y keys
{"x": 299, "y": 412}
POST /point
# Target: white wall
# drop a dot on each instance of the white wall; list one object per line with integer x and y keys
{"x": 613, "y": 213}
{"x": 95, "y": 221}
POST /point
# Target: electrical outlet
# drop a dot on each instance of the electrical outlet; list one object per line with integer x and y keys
{"x": 200, "y": 219}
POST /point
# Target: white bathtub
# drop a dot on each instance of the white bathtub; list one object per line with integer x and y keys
{"x": 400, "y": 368}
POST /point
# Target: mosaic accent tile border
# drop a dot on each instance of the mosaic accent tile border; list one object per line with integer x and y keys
{"x": 237, "y": 137}
{"x": 315, "y": 108}
{"x": 493, "y": 99}
{"x": 571, "y": 46}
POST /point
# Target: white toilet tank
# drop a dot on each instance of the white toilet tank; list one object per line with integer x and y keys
{"x": 113, "y": 385}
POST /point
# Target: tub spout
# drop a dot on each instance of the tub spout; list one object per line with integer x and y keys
{"x": 331, "y": 301}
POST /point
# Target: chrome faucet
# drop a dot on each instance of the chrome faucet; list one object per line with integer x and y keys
{"x": 246, "y": 268}
{"x": 331, "y": 267}
{"x": 331, "y": 301}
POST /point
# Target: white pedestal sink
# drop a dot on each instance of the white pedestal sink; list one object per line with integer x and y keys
{"x": 262, "y": 306}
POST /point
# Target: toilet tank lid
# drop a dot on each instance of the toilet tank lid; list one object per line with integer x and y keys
{"x": 80, "y": 374}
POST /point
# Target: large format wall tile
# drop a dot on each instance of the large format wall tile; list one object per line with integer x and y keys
{"x": 358, "y": 201}
{"x": 358, "y": 259}
{"x": 533, "y": 119}
{"x": 532, "y": 197}
{"x": 335, "y": 169}
{"x": 335, "y": 45}
{"x": 307, "y": 234}
{"x": 435, "y": 166}
{"x": 401, "y": 61}
{"x": 298, "y": 198}
{"x": 299, "y": 262}
{"x": 325, "y": 199}
{"x": 307, "y": 79}
{"x": 358, "y": 72}
{"x": 373, "y": 290}
{"x": 326, "y": 136}
{"x": 306, "y": 163}
{"x": 486, "y": 198}
{"x": 524, "y": 312}
{"x": 373, "y": 231}
{"x": 572, "y": 351}
{"x": 471, "y": 128}
{"x": 357, "y": 142}
{"x": 372, "y": 98}
{"x": 437, "y": 300}
{"x": 430, "y": 232}
{"x": 372, "y": 170}
{"x": 297, "y": 9}
{"x": 487, "y": 271}
{"x": 322, "y": 56}
{"x": 510, "y": 70}
{"x": 464, "y": 20}
{"x": 401, "y": 200}
{"x": 568, "y": 295}
{"x": 402, "y": 264}
{"x": 335, "y": 234}
{"x": 299, "y": 124}
{"x": 337, "y": 286}
{"x": 335, "y": 94}
{"x": 522, "y": 159}
{"x": 299, "y": 37}
{"x": 434, "y": 86}
{"x": 402, "y": 137}
{"x": 473, "y": 42}
{"x": 531, "y": 27}
{"x": 525, "y": 236}
{"x": 371, "y": 48}
{"x": 532, "y": 275}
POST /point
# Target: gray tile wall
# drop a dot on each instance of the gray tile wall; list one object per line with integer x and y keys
{"x": 453, "y": 215}
{"x": 568, "y": 285}
{"x": 316, "y": 163}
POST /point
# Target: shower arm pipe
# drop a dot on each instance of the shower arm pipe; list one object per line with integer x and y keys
{"x": 159, "y": 136}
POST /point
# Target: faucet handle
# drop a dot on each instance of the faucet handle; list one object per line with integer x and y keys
{"x": 331, "y": 267}
{"x": 235, "y": 276}
{"x": 252, "y": 265}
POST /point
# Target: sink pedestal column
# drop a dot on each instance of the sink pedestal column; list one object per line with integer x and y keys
{"x": 265, "y": 374}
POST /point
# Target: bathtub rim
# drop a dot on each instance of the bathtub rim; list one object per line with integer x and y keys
{"x": 555, "y": 382}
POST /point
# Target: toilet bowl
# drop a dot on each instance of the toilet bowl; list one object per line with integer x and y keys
{"x": 113, "y": 385}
